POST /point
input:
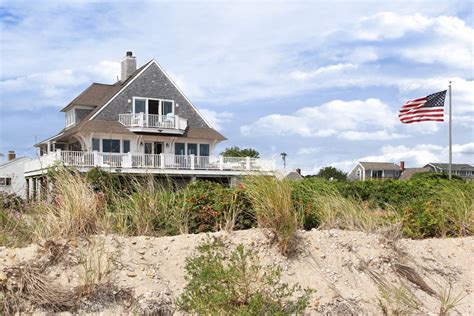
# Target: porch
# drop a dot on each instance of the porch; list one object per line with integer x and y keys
{"x": 151, "y": 163}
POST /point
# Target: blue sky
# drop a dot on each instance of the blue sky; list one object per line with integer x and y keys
{"x": 320, "y": 81}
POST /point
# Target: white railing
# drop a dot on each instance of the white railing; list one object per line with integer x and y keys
{"x": 80, "y": 159}
{"x": 153, "y": 121}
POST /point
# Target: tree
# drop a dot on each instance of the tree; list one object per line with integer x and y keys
{"x": 237, "y": 152}
{"x": 331, "y": 172}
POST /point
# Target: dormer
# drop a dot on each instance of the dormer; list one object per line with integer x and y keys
{"x": 76, "y": 113}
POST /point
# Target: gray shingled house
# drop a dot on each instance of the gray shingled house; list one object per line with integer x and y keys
{"x": 463, "y": 170}
{"x": 143, "y": 123}
{"x": 375, "y": 170}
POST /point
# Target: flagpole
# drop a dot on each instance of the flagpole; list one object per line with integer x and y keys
{"x": 450, "y": 135}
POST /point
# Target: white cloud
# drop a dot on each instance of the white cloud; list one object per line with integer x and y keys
{"x": 217, "y": 119}
{"x": 378, "y": 135}
{"x": 354, "y": 120}
{"x": 390, "y": 25}
{"x": 308, "y": 150}
{"x": 326, "y": 70}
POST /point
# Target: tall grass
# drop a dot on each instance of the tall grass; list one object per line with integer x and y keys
{"x": 457, "y": 207}
{"x": 274, "y": 210}
{"x": 329, "y": 209}
{"x": 75, "y": 209}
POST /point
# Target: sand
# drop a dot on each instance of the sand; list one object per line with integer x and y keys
{"x": 345, "y": 268}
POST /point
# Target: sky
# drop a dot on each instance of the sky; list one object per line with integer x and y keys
{"x": 321, "y": 81}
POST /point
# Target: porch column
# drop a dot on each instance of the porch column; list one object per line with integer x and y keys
{"x": 162, "y": 161}
{"x": 221, "y": 162}
{"x": 33, "y": 195}
{"x": 247, "y": 163}
{"x": 27, "y": 189}
{"x": 192, "y": 161}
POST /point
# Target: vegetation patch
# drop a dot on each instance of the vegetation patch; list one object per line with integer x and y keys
{"x": 223, "y": 282}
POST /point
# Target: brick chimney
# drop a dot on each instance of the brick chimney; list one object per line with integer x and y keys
{"x": 129, "y": 65}
{"x": 298, "y": 170}
{"x": 11, "y": 155}
{"x": 402, "y": 166}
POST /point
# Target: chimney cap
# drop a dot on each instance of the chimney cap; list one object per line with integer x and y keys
{"x": 129, "y": 53}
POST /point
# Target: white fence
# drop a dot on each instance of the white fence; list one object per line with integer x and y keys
{"x": 148, "y": 161}
{"x": 154, "y": 121}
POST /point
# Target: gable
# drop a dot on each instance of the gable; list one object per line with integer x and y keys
{"x": 153, "y": 82}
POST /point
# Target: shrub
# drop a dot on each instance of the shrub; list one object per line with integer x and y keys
{"x": 14, "y": 228}
{"x": 274, "y": 209}
{"x": 223, "y": 283}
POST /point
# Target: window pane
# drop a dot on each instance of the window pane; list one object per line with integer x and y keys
{"x": 140, "y": 106}
{"x": 126, "y": 146}
{"x": 2, "y": 181}
{"x": 111, "y": 145}
{"x": 192, "y": 149}
{"x": 204, "y": 149}
{"x": 179, "y": 149}
{"x": 96, "y": 144}
{"x": 167, "y": 107}
{"x": 8, "y": 181}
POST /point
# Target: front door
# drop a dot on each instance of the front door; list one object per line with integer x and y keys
{"x": 152, "y": 151}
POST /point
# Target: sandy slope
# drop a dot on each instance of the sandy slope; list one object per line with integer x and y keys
{"x": 341, "y": 266}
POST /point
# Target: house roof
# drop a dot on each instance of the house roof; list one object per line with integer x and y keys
{"x": 9, "y": 162}
{"x": 379, "y": 165}
{"x": 409, "y": 172}
{"x": 294, "y": 176}
{"x": 455, "y": 166}
{"x": 98, "y": 95}
{"x": 203, "y": 133}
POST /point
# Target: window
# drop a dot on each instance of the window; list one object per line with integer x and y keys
{"x": 111, "y": 145}
{"x": 359, "y": 174}
{"x": 70, "y": 117}
{"x": 153, "y": 106}
{"x": 139, "y": 106}
{"x": 166, "y": 107}
{"x": 179, "y": 149}
{"x": 126, "y": 146}
{"x": 377, "y": 174}
{"x": 95, "y": 144}
{"x": 204, "y": 150}
{"x": 192, "y": 149}
{"x": 5, "y": 181}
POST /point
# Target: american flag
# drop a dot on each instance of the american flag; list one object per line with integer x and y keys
{"x": 429, "y": 108}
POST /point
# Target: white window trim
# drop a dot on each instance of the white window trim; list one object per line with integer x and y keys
{"x": 198, "y": 148}
{"x": 101, "y": 148}
{"x": 5, "y": 179}
{"x": 160, "y": 107}
{"x": 71, "y": 117}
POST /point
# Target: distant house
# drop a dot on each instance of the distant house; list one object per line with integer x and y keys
{"x": 294, "y": 175}
{"x": 409, "y": 172}
{"x": 375, "y": 170}
{"x": 12, "y": 179}
{"x": 463, "y": 170}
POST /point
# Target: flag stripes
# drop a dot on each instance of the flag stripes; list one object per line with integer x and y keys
{"x": 429, "y": 108}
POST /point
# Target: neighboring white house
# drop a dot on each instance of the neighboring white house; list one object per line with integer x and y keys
{"x": 12, "y": 178}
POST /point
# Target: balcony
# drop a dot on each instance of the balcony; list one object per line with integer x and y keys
{"x": 149, "y": 163}
{"x": 151, "y": 123}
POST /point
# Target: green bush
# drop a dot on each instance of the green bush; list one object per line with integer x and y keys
{"x": 428, "y": 206}
{"x": 234, "y": 283}
{"x": 14, "y": 228}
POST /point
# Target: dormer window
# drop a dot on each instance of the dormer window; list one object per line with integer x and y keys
{"x": 70, "y": 117}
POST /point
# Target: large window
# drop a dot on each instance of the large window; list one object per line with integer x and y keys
{"x": 140, "y": 106}
{"x": 377, "y": 174}
{"x": 179, "y": 149}
{"x": 153, "y": 106}
{"x": 111, "y": 145}
{"x": 204, "y": 150}
{"x": 192, "y": 149}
